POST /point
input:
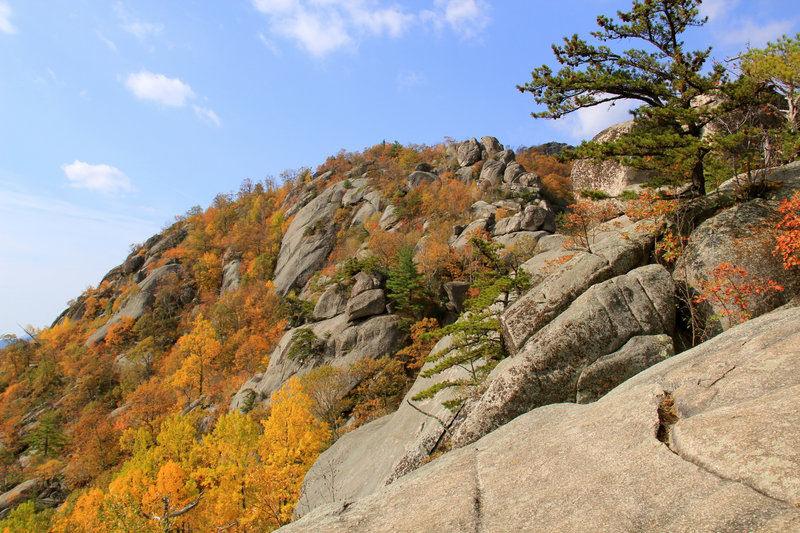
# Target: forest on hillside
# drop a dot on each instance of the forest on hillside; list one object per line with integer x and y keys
{"x": 120, "y": 420}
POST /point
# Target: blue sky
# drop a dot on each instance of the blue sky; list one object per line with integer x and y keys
{"x": 117, "y": 116}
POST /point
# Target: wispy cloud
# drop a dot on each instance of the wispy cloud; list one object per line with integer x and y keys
{"x": 147, "y": 85}
{"x": 748, "y": 33}
{"x": 139, "y": 28}
{"x": 169, "y": 92}
{"x": 28, "y": 203}
{"x": 108, "y": 42}
{"x": 467, "y": 18}
{"x": 321, "y": 27}
{"x": 407, "y": 79}
{"x": 104, "y": 179}
{"x": 588, "y": 122}
{"x": 5, "y": 19}
{"x": 715, "y": 9}
{"x": 207, "y": 114}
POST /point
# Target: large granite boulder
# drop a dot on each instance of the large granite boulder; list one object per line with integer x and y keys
{"x": 547, "y": 368}
{"x": 18, "y": 495}
{"x": 741, "y": 236}
{"x": 139, "y": 302}
{"x": 561, "y": 275}
{"x": 704, "y": 441}
{"x": 607, "y": 176}
{"x": 331, "y": 303}
{"x": 492, "y": 172}
{"x": 368, "y": 303}
{"x": 308, "y": 240}
{"x": 344, "y": 344}
{"x": 610, "y": 370}
{"x": 468, "y": 152}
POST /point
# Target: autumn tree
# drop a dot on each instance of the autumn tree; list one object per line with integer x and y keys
{"x": 291, "y": 441}
{"x": 778, "y": 65}
{"x": 200, "y": 349}
{"x": 677, "y": 97}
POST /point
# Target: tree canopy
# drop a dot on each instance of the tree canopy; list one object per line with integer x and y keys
{"x": 674, "y": 87}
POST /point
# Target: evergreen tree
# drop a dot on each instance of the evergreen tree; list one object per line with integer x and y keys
{"x": 477, "y": 345}
{"x": 406, "y": 284}
{"x": 678, "y": 98}
{"x": 47, "y": 437}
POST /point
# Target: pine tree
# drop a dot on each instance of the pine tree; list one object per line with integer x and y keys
{"x": 678, "y": 98}
{"x": 477, "y": 345}
{"x": 406, "y": 284}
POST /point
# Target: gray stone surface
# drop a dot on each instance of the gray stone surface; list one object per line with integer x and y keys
{"x": 547, "y": 368}
{"x": 344, "y": 344}
{"x": 468, "y": 152}
{"x": 331, "y": 303}
{"x": 138, "y": 303}
{"x": 513, "y": 171}
{"x": 492, "y": 172}
{"x": 491, "y": 146}
{"x": 368, "y": 303}
{"x": 607, "y": 176}
{"x": 389, "y": 218}
{"x": 560, "y": 275}
{"x": 418, "y": 177}
{"x": 364, "y": 460}
{"x": 19, "y": 494}
{"x": 303, "y": 251}
{"x": 363, "y": 281}
{"x": 741, "y": 236}
{"x": 610, "y": 370}
{"x": 729, "y": 463}
{"x": 230, "y": 276}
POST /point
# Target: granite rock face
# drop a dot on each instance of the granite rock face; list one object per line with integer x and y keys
{"x": 741, "y": 236}
{"x": 607, "y": 176}
{"x": 547, "y": 368}
{"x": 704, "y": 441}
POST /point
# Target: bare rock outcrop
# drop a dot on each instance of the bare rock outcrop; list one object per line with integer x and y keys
{"x": 547, "y": 368}
{"x": 742, "y": 237}
{"x": 308, "y": 240}
{"x": 138, "y": 302}
{"x": 607, "y": 176}
{"x": 561, "y": 275}
{"x": 704, "y": 441}
{"x": 638, "y": 354}
{"x": 342, "y": 345}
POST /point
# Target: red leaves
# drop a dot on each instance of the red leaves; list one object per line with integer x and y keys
{"x": 788, "y": 237}
{"x": 730, "y": 286}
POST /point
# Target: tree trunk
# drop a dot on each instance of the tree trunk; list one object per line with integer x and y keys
{"x": 698, "y": 179}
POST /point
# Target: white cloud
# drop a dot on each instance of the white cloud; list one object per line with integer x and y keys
{"x": 268, "y": 44}
{"x": 143, "y": 30}
{"x": 108, "y": 42}
{"x": 324, "y": 26}
{"x": 407, "y": 79}
{"x": 100, "y": 178}
{"x": 207, "y": 114}
{"x": 715, "y": 9}
{"x": 157, "y": 87}
{"x": 747, "y": 32}
{"x": 5, "y": 23}
{"x": 467, "y": 18}
{"x": 170, "y": 92}
{"x": 588, "y": 122}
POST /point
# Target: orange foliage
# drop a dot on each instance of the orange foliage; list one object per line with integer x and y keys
{"x": 729, "y": 287}
{"x": 788, "y": 237}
